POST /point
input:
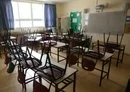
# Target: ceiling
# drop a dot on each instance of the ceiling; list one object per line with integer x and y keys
{"x": 49, "y": 1}
{"x": 57, "y": 1}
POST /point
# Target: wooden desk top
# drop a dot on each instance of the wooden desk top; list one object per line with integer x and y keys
{"x": 107, "y": 56}
{"x": 12, "y": 38}
{"x": 34, "y": 39}
{"x": 34, "y": 35}
{"x": 58, "y": 44}
{"x": 102, "y": 43}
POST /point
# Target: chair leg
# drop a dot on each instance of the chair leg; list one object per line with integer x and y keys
{"x": 24, "y": 88}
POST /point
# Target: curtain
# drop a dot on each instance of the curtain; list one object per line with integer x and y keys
{"x": 6, "y": 15}
{"x": 50, "y": 15}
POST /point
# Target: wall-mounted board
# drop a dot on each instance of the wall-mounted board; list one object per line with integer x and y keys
{"x": 106, "y": 22}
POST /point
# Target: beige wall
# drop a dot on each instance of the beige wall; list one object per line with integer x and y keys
{"x": 80, "y": 5}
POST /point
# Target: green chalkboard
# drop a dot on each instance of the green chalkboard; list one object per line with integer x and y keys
{"x": 75, "y": 21}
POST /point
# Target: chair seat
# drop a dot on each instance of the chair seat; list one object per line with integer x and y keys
{"x": 77, "y": 50}
{"x": 112, "y": 45}
{"x": 94, "y": 55}
{"x": 31, "y": 63}
{"x": 45, "y": 72}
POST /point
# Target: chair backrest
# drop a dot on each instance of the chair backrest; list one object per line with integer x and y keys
{"x": 107, "y": 45}
{"x": 105, "y": 42}
{"x": 95, "y": 54}
{"x": 115, "y": 45}
{"x": 102, "y": 52}
{"x": 39, "y": 87}
{"x": 12, "y": 49}
{"x": 21, "y": 75}
{"x": 88, "y": 64}
{"x": 72, "y": 60}
{"x": 121, "y": 38}
{"x": 24, "y": 56}
{"x": 87, "y": 43}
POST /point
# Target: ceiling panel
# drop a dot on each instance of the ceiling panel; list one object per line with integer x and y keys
{"x": 49, "y": 1}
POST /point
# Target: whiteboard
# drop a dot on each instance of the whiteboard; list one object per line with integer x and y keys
{"x": 106, "y": 22}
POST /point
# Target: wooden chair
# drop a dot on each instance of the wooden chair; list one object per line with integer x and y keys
{"x": 118, "y": 47}
{"x": 115, "y": 45}
{"x": 25, "y": 61}
{"x": 50, "y": 71}
{"x": 107, "y": 44}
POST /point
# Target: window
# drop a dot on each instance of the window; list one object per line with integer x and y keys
{"x": 28, "y": 14}
{"x": 86, "y": 15}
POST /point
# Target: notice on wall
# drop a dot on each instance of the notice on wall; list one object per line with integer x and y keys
{"x": 74, "y": 20}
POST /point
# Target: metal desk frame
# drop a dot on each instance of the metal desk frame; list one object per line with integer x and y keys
{"x": 120, "y": 50}
{"x": 105, "y": 61}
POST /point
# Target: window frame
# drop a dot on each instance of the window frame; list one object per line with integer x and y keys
{"x": 31, "y": 19}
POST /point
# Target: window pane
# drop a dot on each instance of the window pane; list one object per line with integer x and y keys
{"x": 38, "y": 11}
{"x": 26, "y": 23}
{"x": 15, "y": 10}
{"x": 86, "y": 16}
{"x": 86, "y": 22}
{"x": 16, "y": 24}
{"x": 25, "y": 10}
{"x": 38, "y": 24}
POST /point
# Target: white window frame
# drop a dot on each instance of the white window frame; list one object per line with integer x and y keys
{"x": 32, "y": 20}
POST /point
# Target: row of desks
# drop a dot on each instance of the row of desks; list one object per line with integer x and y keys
{"x": 106, "y": 60}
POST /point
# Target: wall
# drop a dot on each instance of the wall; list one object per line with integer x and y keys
{"x": 80, "y": 5}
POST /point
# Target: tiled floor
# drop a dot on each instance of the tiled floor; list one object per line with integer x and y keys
{"x": 86, "y": 81}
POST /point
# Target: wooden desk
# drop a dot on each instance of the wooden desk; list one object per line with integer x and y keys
{"x": 58, "y": 46}
{"x": 68, "y": 78}
{"x": 106, "y": 60}
{"x": 120, "y": 51}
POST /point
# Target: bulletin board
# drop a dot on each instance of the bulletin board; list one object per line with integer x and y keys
{"x": 75, "y": 21}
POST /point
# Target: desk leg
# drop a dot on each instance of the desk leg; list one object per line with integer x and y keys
{"x": 101, "y": 76}
{"x": 118, "y": 58}
{"x": 56, "y": 87}
{"x": 123, "y": 54}
{"x": 58, "y": 54}
{"x": 109, "y": 68}
{"x": 40, "y": 79}
{"x": 50, "y": 51}
{"x": 74, "y": 83}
